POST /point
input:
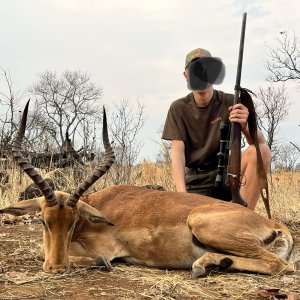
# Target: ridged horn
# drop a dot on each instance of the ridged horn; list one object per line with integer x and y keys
{"x": 109, "y": 159}
{"x": 24, "y": 164}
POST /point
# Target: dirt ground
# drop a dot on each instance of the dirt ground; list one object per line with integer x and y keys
{"x": 21, "y": 276}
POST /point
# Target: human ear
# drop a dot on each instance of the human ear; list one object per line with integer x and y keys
{"x": 185, "y": 74}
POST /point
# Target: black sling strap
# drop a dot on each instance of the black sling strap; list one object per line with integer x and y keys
{"x": 246, "y": 100}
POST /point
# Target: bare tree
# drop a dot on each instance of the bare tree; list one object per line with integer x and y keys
{"x": 284, "y": 60}
{"x": 9, "y": 100}
{"x": 67, "y": 101}
{"x": 124, "y": 126}
{"x": 164, "y": 154}
{"x": 287, "y": 157}
{"x": 272, "y": 109}
{"x": 11, "y": 104}
{"x": 297, "y": 147}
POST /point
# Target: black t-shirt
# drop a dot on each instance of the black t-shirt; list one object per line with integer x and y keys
{"x": 198, "y": 127}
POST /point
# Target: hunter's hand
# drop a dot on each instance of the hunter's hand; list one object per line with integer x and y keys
{"x": 239, "y": 113}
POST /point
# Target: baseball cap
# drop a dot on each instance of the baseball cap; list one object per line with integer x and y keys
{"x": 196, "y": 53}
{"x": 203, "y": 69}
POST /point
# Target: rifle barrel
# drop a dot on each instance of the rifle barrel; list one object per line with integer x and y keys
{"x": 240, "y": 60}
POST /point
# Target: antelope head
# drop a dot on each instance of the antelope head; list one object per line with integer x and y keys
{"x": 59, "y": 211}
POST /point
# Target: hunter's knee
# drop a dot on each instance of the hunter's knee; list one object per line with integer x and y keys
{"x": 250, "y": 154}
{"x": 266, "y": 155}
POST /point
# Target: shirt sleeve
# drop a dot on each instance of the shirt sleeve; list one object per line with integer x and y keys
{"x": 171, "y": 129}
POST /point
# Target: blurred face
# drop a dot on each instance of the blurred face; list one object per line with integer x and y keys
{"x": 201, "y": 97}
{"x": 202, "y": 72}
{"x": 208, "y": 86}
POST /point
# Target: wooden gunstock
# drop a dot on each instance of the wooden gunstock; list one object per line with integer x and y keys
{"x": 234, "y": 167}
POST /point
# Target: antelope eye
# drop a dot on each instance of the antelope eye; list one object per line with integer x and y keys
{"x": 43, "y": 222}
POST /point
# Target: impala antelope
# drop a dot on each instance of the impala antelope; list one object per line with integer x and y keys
{"x": 147, "y": 227}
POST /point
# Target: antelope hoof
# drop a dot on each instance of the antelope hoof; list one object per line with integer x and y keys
{"x": 102, "y": 261}
{"x": 198, "y": 272}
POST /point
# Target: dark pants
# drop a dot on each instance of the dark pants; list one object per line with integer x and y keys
{"x": 203, "y": 182}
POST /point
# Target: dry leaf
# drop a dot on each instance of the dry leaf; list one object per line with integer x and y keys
{"x": 17, "y": 275}
{"x": 267, "y": 293}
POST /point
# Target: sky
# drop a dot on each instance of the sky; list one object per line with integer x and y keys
{"x": 135, "y": 50}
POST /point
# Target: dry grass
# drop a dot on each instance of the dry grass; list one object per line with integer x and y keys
{"x": 21, "y": 275}
{"x": 284, "y": 186}
{"x": 284, "y": 197}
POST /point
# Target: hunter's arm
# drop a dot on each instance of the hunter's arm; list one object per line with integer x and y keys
{"x": 239, "y": 113}
{"x": 178, "y": 165}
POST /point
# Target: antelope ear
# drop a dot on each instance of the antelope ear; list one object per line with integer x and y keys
{"x": 90, "y": 213}
{"x": 22, "y": 207}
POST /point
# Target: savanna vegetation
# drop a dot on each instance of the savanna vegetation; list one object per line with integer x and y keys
{"x": 21, "y": 275}
{"x": 55, "y": 119}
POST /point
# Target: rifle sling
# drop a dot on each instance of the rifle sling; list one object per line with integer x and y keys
{"x": 252, "y": 125}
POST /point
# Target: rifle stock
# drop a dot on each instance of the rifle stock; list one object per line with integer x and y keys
{"x": 234, "y": 166}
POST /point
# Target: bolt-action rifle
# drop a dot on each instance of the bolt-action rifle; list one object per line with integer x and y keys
{"x": 234, "y": 164}
{"x": 230, "y": 150}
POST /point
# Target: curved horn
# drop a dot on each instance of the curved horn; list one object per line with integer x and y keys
{"x": 109, "y": 159}
{"x": 24, "y": 164}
